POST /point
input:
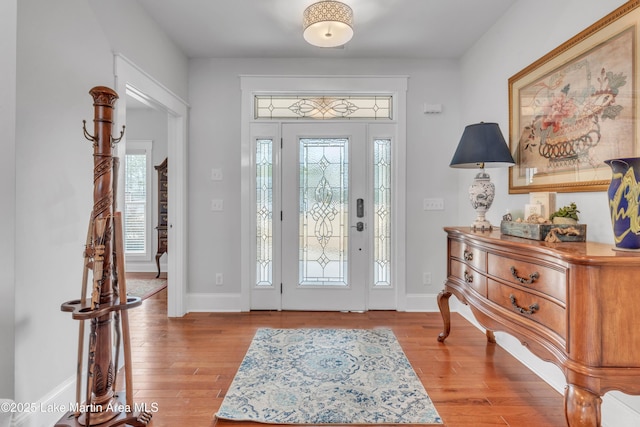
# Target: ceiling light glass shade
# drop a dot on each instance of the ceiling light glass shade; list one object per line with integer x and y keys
{"x": 328, "y": 24}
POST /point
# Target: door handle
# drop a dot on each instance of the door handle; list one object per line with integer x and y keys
{"x": 359, "y": 226}
{"x": 360, "y": 208}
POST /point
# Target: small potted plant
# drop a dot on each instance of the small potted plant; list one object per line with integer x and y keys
{"x": 565, "y": 215}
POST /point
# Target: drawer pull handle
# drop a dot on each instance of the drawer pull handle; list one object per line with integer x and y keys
{"x": 532, "y": 277}
{"x": 468, "y": 255}
{"x": 532, "y": 308}
{"x": 468, "y": 277}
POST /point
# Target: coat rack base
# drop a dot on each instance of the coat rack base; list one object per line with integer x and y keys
{"x": 136, "y": 418}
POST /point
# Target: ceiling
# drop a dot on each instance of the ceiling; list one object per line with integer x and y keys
{"x": 273, "y": 28}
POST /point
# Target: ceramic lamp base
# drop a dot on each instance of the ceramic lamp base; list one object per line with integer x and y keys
{"x": 481, "y": 194}
{"x": 481, "y": 225}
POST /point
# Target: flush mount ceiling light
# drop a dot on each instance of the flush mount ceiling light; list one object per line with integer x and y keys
{"x": 328, "y": 24}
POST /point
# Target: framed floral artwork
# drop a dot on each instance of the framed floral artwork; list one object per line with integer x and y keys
{"x": 576, "y": 107}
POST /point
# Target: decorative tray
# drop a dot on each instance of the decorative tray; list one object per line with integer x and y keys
{"x": 559, "y": 232}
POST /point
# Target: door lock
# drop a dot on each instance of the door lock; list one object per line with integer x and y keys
{"x": 359, "y": 226}
{"x": 360, "y": 208}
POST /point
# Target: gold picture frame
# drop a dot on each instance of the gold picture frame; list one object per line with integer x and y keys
{"x": 576, "y": 107}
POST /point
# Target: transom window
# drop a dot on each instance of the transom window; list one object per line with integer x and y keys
{"x": 323, "y": 107}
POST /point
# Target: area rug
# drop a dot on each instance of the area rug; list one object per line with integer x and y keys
{"x": 327, "y": 376}
{"x": 144, "y": 288}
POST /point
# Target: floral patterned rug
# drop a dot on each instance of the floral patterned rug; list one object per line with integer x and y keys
{"x": 327, "y": 376}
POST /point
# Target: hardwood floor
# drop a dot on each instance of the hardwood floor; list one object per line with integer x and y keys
{"x": 184, "y": 366}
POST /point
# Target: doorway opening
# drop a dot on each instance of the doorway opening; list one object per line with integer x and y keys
{"x": 132, "y": 82}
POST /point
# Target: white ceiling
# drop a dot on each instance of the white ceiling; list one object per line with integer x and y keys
{"x": 273, "y": 28}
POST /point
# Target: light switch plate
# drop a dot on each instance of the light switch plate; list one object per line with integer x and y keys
{"x": 216, "y": 174}
{"x": 436, "y": 204}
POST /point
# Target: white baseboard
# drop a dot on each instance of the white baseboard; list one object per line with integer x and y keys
{"x": 616, "y": 413}
{"x": 232, "y": 302}
{"x": 6, "y": 416}
{"x": 422, "y": 302}
{"x": 214, "y": 302}
{"x": 49, "y": 409}
{"x": 144, "y": 267}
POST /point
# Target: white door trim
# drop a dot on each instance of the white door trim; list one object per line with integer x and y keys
{"x": 256, "y": 84}
{"x": 131, "y": 79}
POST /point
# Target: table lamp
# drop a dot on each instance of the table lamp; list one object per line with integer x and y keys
{"x": 482, "y": 146}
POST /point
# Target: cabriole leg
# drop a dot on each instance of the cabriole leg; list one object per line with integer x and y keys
{"x": 581, "y": 407}
{"x": 443, "y": 305}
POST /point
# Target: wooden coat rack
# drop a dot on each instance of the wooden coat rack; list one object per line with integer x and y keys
{"x": 106, "y": 306}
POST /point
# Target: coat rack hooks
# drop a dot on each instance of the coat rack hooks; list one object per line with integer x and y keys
{"x": 116, "y": 140}
{"x": 93, "y": 138}
{"x": 87, "y": 135}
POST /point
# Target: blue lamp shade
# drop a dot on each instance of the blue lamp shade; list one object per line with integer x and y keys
{"x": 482, "y": 145}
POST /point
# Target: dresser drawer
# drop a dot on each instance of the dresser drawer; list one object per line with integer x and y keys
{"x": 529, "y": 307}
{"x": 544, "y": 279}
{"x": 472, "y": 278}
{"x": 468, "y": 254}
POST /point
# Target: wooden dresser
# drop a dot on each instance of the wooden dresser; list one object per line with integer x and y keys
{"x": 163, "y": 185}
{"x": 574, "y": 304}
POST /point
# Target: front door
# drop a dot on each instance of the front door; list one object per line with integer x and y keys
{"x": 325, "y": 217}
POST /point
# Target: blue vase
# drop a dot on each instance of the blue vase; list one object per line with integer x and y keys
{"x": 624, "y": 202}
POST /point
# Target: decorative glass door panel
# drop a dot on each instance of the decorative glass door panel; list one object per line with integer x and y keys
{"x": 324, "y": 209}
{"x": 382, "y": 212}
{"x": 324, "y": 250}
{"x": 264, "y": 212}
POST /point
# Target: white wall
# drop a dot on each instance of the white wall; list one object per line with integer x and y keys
{"x": 533, "y": 29}
{"x": 54, "y": 183}
{"x": 61, "y": 54}
{"x": 132, "y": 33}
{"x": 486, "y": 69}
{"x": 214, "y": 98}
{"x": 8, "y": 13}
